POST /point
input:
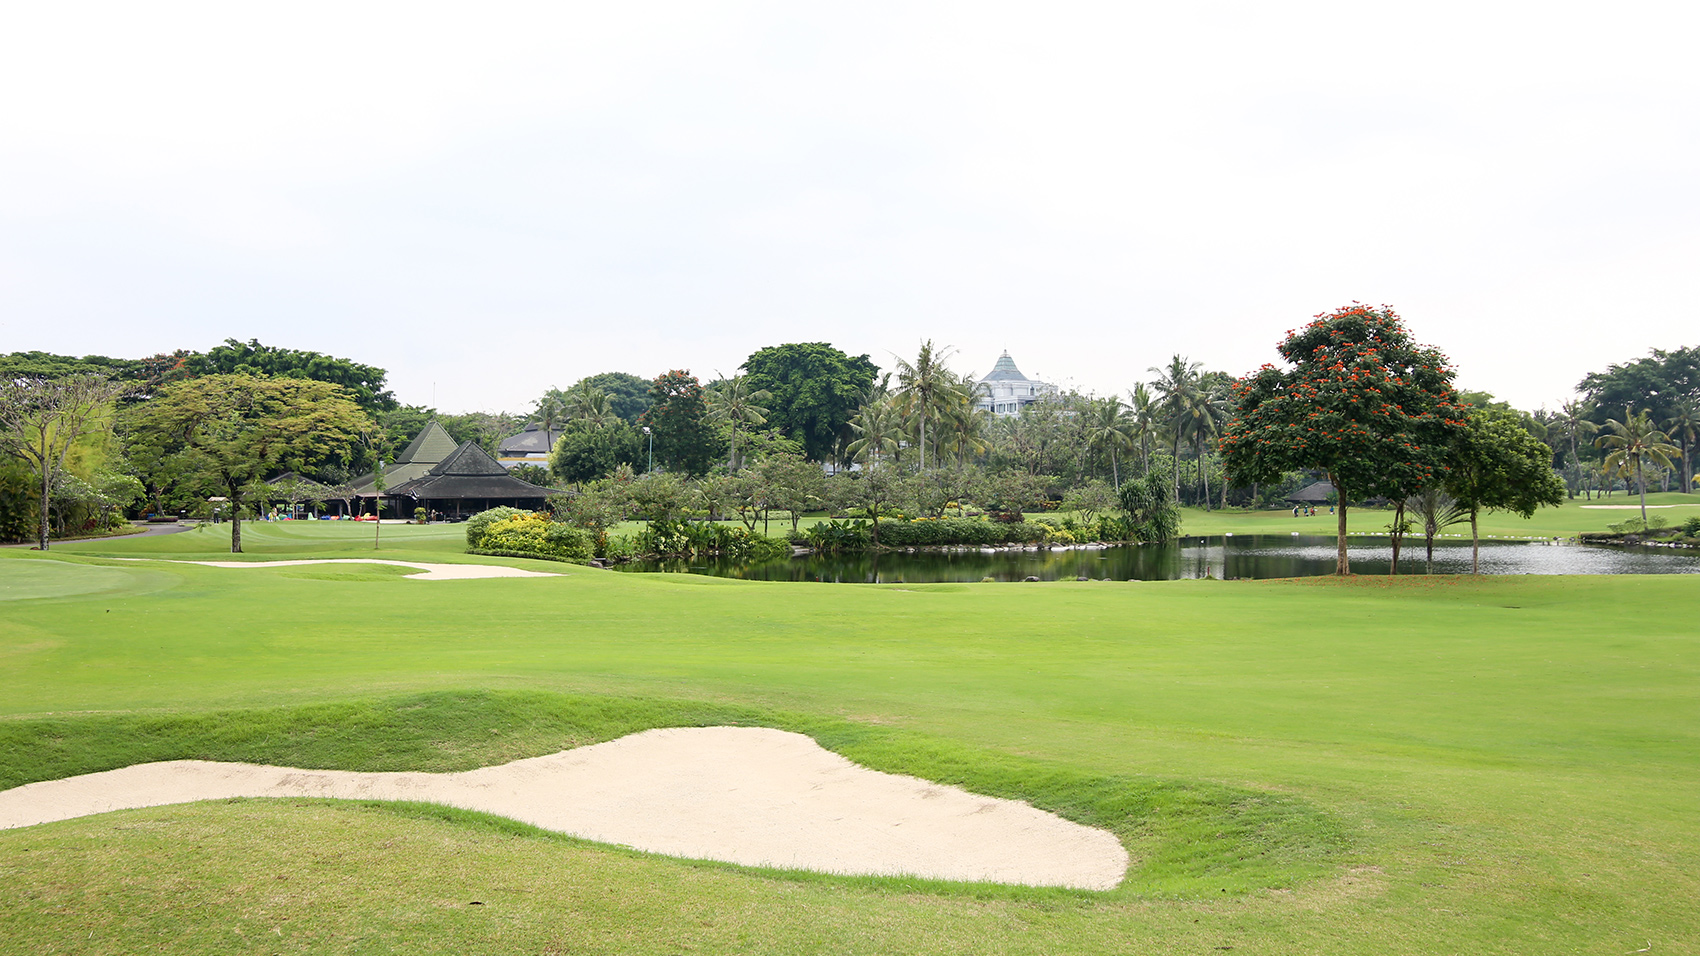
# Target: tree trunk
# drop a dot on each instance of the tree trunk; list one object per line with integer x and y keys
{"x": 1203, "y": 479}
{"x": 1342, "y": 565}
{"x": 235, "y": 526}
{"x": 1398, "y": 534}
{"x": 1475, "y": 545}
{"x": 1115, "y": 472}
{"x": 1641, "y": 482}
{"x": 1428, "y": 533}
{"x": 46, "y": 484}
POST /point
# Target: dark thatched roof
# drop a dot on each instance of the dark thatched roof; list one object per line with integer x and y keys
{"x": 535, "y": 440}
{"x": 469, "y": 473}
{"x": 1315, "y": 493}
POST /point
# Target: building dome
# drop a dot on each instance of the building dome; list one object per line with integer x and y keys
{"x": 1005, "y": 391}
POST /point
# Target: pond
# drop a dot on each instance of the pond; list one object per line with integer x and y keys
{"x": 1230, "y": 556}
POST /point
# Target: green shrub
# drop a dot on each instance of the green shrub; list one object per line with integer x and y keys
{"x": 963, "y": 531}
{"x": 687, "y": 539}
{"x": 480, "y": 522}
{"x": 527, "y": 533}
{"x": 618, "y": 548}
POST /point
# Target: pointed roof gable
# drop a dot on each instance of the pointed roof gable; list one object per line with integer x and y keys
{"x": 471, "y": 474}
{"x": 1004, "y": 371}
{"x": 427, "y": 448}
{"x": 468, "y": 461}
{"x": 430, "y": 446}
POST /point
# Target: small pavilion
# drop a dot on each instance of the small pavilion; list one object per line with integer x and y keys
{"x": 468, "y": 481}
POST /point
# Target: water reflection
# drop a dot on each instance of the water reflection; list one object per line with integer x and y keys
{"x": 1241, "y": 556}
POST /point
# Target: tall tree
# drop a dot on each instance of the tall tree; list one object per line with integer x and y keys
{"x": 628, "y": 394}
{"x": 41, "y": 418}
{"x": 1177, "y": 387}
{"x": 815, "y": 390}
{"x": 678, "y": 415}
{"x": 877, "y": 429}
{"x": 1361, "y": 401}
{"x": 924, "y": 385}
{"x": 1109, "y": 430}
{"x": 1574, "y": 423}
{"x": 240, "y": 428}
{"x": 365, "y": 383}
{"x": 1494, "y": 463}
{"x": 1143, "y": 410}
{"x": 1656, "y": 384}
{"x": 1631, "y": 444}
{"x": 587, "y": 405}
{"x": 734, "y": 402}
{"x": 1684, "y": 426}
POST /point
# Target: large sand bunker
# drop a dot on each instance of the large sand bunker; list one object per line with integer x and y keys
{"x": 740, "y": 794}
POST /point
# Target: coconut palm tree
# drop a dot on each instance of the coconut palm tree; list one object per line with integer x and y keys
{"x": 877, "y": 426}
{"x": 734, "y": 402}
{"x": 590, "y": 406}
{"x": 1177, "y": 387}
{"x": 1684, "y": 426}
{"x": 1573, "y": 424}
{"x": 1143, "y": 417}
{"x": 1109, "y": 428}
{"x": 1635, "y": 441}
{"x": 924, "y": 385}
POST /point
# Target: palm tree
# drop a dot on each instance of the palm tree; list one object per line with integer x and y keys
{"x": 1177, "y": 390}
{"x": 924, "y": 385}
{"x": 589, "y": 405}
{"x": 1685, "y": 427}
{"x": 1143, "y": 414}
{"x": 732, "y": 401}
{"x": 1109, "y": 428}
{"x": 1573, "y": 423}
{"x": 877, "y": 425}
{"x": 1635, "y": 440}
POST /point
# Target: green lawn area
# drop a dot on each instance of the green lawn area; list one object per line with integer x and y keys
{"x": 1565, "y": 521}
{"x": 1421, "y": 765}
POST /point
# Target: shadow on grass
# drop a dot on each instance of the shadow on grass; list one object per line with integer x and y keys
{"x": 1186, "y": 838}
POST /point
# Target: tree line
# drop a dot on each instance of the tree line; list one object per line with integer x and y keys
{"x": 916, "y": 435}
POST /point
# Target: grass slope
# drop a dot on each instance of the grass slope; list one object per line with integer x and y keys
{"x": 1513, "y": 758}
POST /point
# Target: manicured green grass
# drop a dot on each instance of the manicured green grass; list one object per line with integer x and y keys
{"x": 1477, "y": 764}
{"x": 1565, "y": 521}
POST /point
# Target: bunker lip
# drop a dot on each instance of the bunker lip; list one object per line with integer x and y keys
{"x": 745, "y": 795}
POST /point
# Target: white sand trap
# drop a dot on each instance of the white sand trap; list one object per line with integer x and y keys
{"x": 430, "y": 572}
{"x": 739, "y": 794}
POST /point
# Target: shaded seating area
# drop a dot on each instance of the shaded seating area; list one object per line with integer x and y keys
{"x": 465, "y": 483}
{"x": 302, "y": 497}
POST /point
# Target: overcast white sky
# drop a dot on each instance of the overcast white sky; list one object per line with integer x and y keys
{"x": 489, "y": 200}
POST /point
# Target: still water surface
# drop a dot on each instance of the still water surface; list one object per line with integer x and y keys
{"x": 1233, "y": 556}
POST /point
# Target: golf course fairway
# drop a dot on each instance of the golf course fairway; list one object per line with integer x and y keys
{"x": 1366, "y": 765}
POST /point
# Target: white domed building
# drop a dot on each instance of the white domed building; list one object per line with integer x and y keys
{"x": 1005, "y": 391}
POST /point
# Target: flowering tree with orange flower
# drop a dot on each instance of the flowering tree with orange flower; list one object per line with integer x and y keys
{"x": 1361, "y": 401}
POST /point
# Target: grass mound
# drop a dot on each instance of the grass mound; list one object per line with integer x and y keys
{"x": 1187, "y": 839}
